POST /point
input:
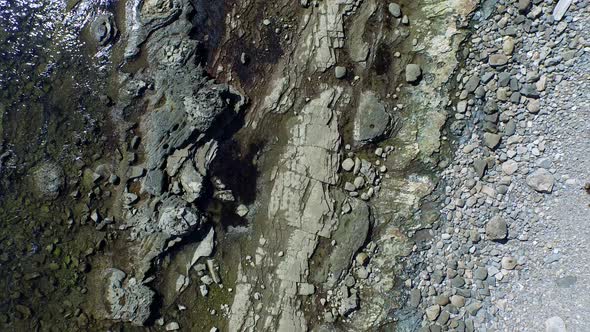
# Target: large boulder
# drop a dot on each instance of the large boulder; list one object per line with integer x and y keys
{"x": 371, "y": 122}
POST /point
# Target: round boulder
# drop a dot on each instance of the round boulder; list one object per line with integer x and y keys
{"x": 48, "y": 179}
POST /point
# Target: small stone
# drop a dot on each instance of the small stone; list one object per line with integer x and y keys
{"x": 509, "y": 167}
{"x": 349, "y": 187}
{"x": 534, "y": 106}
{"x": 340, "y": 72}
{"x": 242, "y": 210}
{"x": 114, "y": 179}
{"x": 432, "y": 312}
{"x": 395, "y": 10}
{"x": 508, "y": 46}
{"x": 441, "y": 300}
{"x": 413, "y": 73}
{"x": 491, "y": 140}
{"x": 555, "y": 324}
{"x": 541, "y": 181}
{"x": 362, "y": 258}
{"x": 480, "y": 166}
{"x": 348, "y": 164}
{"x": 204, "y": 290}
{"x": 496, "y": 229}
{"x": 306, "y": 289}
{"x": 473, "y": 308}
{"x": 524, "y": 5}
{"x": 508, "y": 263}
{"x": 415, "y": 298}
{"x": 497, "y": 60}
{"x": 480, "y": 273}
{"x": 458, "y": 301}
{"x": 243, "y": 58}
{"x": 359, "y": 182}
{"x": 266, "y": 22}
{"x": 136, "y": 172}
{"x": 172, "y": 326}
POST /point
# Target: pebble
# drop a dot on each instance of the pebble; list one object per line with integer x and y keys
{"x": 395, "y": 10}
{"x": 432, "y": 312}
{"x": 413, "y": 73}
{"x": 348, "y": 164}
{"x": 555, "y": 324}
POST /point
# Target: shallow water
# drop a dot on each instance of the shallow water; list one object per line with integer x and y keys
{"x": 51, "y": 112}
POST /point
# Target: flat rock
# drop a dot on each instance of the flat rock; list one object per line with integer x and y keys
{"x": 497, "y": 60}
{"x": 541, "y": 180}
{"x": 491, "y": 140}
{"x": 371, "y": 122}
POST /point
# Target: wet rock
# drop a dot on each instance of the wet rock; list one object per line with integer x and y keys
{"x": 371, "y": 122}
{"x": 49, "y": 179}
{"x": 541, "y": 180}
{"x": 127, "y": 302}
{"x": 496, "y": 229}
{"x": 413, "y": 73}
{"x": 104, "y": 29}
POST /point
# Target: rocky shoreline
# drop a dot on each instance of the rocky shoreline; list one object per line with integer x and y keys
{"x": 323, "y": 165}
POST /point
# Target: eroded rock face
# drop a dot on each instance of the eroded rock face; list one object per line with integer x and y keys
{"x": 300, "y": 211}
{"x": 350, "y": 234}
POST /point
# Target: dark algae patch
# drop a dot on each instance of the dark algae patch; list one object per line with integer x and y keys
{"x": 52, "y": 126}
